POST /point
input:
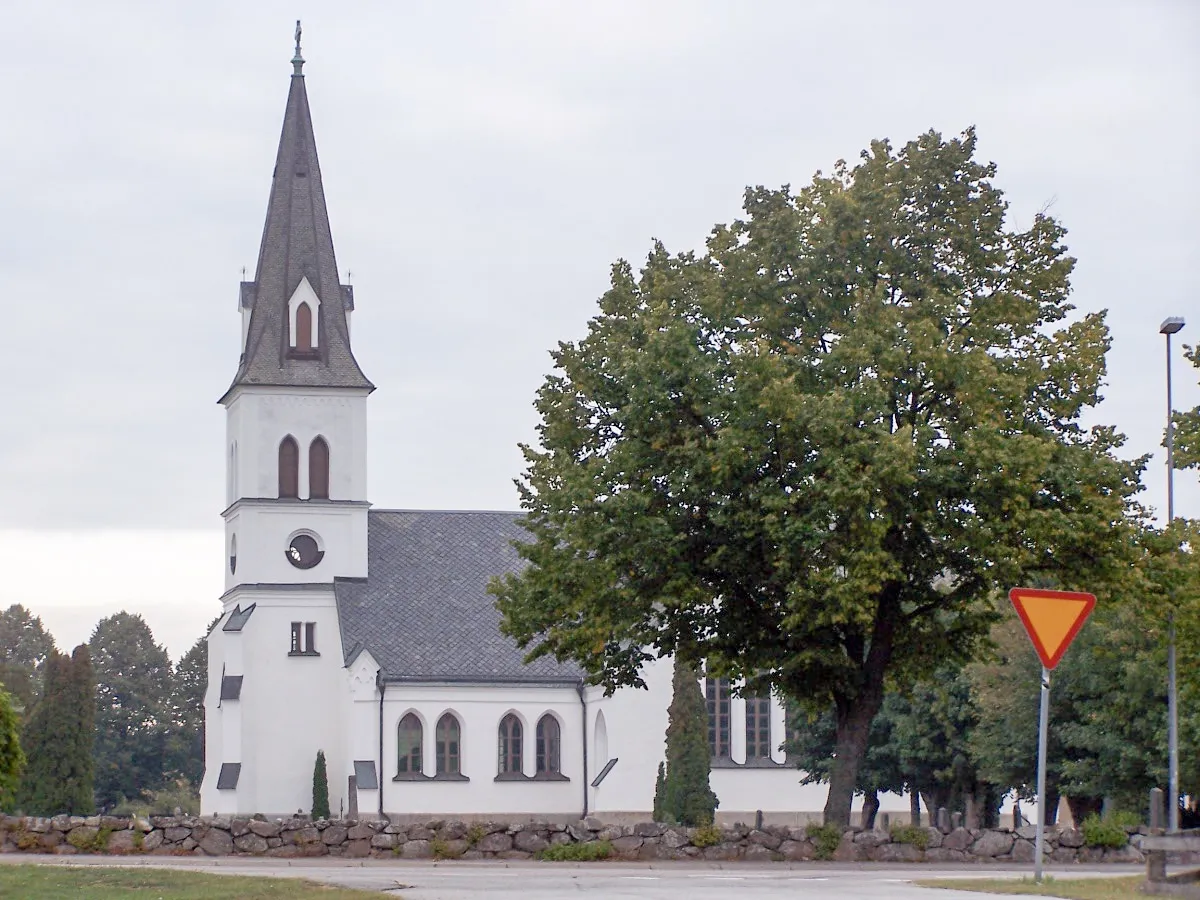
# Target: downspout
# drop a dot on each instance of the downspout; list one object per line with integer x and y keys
{"x": 379, "y": 686}
{"x": 581, "y": 687}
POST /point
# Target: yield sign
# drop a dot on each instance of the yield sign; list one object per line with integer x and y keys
{"x": 1052, "y": 618}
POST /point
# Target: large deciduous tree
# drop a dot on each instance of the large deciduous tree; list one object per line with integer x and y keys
{"x": 811, "y": 454}
{"x": 185, "y": 756}
{"x": 12, "y": 760}
{"x": 133, "y": 681}
{"x": 24, "y": 647}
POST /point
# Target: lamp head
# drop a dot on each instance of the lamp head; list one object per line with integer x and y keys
{"x": 1171, "y": 325}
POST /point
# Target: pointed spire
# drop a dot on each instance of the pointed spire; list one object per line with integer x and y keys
{"x": 298, "y": 60}
{"x": 297, "y": 244}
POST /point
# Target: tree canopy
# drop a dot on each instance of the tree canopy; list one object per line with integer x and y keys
{"x": 12, "y": 759}
{"x": 24, "y": 647}
{"x": 811, "y": 455}
{"x": 58, "y": 740}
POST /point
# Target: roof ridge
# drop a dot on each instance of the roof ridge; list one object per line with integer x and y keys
{"x": 470, "y": 512}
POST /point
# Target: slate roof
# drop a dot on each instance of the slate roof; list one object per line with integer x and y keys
{"x": 424, "y": 612}
{"x": 297, "y": 243}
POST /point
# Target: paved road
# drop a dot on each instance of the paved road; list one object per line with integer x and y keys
{"x": 602, "y": 881}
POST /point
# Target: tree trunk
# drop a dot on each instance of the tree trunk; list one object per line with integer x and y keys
{"x": 850, "y": 746}
{"x": 1051, "y": 807}
{"x": 914, "y": 806}
{"x": 870, "y": 810}
{"x": 1082, "y": 807}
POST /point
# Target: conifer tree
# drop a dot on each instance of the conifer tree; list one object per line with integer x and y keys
{"x": 12, "y": 760}
{"x": 58, "y": 740}
{"x": 320, "y": 803}
{"x": 686, "y": 796}
{"x": 660, "y": 790}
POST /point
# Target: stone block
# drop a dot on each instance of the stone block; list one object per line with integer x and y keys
{"x": 1029, "y": 832}
{"x": 991, "y": 844}
{"x": 647, "y": 829}
{"x": 61, "y": 823}
{"x": 188, "y": 844}
{"x": 1061, "y": 855}
{"x": 284, "y": 851}
{"x": 497, "y": 842}
{"x": 113, "y": 823}
{"x": 262, "y": 829}
{"x": 358, "y": 849}
{"x": 360, "y": 832}
{"x": 1070, "y": 837}
{"x": 958, "y": 839}
{"x": 334, "y": 835}
{"x": 384, "y": 841}
{"x": 453, "y": 831}
{"x": 759, "y": 853}
{"x": 65, "y": 850}
{"x": 314, "y": 849}
{"x": 152, "y": 841}
{"x": 222, "y": 822}
{"x": 302, "y": 836}
{"x": 1024, "y": 851}
{"x": 1126, "y": 854}
{"x": 797, "y": 850}
{"x": 897, "y": 853}
{"x": 871, "y": 839}
{"x": 515, "y": 854}
{"x": 37, "y": 824}
{"x": 455, "y": 849}
{"x": 420, "y": 833}
{"x": 249, "y": 843}
{"x": 848, "y": 851}
{"x": 50, "y": 839}
{"x": 560, "y": 837}
{"x": 578, "y": 833}
{"x": 723, "y": 851}
{"x": 627, "y": 846}
{"x": 216, "y": 843}
{"x": 944, "y": 855}
{"x": 531, "y": 841}
{"x": 238, "y": 827}
{"x": 591, "y": 823}
{"x": 673, "y": 838}
{"x": 764, "y": 839}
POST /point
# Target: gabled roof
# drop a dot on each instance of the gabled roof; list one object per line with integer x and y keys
{"x": 297, "y": 243}
{"x": 424, "y": 612}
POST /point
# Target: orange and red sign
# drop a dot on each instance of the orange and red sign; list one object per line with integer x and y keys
{"x": 1052, "y": 618}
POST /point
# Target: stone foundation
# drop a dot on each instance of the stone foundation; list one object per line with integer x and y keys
{"x": 444, "y": 839}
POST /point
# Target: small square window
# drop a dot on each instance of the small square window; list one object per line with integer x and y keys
{"x": 296, "y": 636}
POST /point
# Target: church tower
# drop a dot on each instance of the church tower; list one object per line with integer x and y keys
{"x": 296, "y": 507}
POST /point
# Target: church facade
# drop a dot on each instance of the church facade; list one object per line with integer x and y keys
{"x": 368, "y": 634}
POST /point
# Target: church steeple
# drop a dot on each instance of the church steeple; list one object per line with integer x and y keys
{"x": 298, "y": 331}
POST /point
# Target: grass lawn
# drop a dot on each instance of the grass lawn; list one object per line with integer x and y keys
{"x": 1071, "y": 888}
{"x": 38, "y": 882}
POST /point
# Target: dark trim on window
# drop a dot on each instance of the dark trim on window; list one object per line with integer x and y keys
{"x": 304, "y": 653}
{"x": 512, "y": 776}
{"x": 227, "y": 779}
{"x": 450, "y": 776}
{"x": 604, "y": 772}
{"x": 413, "y": 776}
{"x": 238, "y": 618}
{"x": 231, "y": 687}
{"x": 364, "y": 775}
{"x": 550, "y": 776}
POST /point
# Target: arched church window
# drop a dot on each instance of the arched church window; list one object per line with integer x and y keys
{"x": 304, "y": 324}
{"x": 716, "y": 695}
{"x": 289, "y": 467}
{"x": 758, "y": 727}
{"x": 549, "y": 745}
{"x": 510, "y": 745}
{"x": 408, "y": 742}
{"x": 447, "y": 746}
{"x": 318, "y": 469}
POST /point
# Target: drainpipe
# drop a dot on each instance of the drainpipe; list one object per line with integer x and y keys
{"x": 581, "y": 687}
{"x": 379, "y": 686}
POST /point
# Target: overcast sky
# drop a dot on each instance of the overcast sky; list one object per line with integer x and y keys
{"x": 484, "y": 164}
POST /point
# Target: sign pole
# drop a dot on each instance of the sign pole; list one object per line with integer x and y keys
{"x": 1043, "y": 730}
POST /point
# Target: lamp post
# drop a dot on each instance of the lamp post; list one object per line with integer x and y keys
{"x": 1169, "y": 327}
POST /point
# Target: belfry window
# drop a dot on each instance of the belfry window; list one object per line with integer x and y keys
{"x": 304, "y": 328}
{"x": 289, "y": 467}
{"x": 318, "y": 469}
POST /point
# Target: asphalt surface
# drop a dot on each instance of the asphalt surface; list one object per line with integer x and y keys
{"x": 519, "y": 880}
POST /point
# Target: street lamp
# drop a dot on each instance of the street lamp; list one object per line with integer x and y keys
{"x": 1169, "y": 327}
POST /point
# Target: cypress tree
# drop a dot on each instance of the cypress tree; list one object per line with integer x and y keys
{"x": 80, "y": 776}
{"x": 12, "y": 760}
{"x": 58, "y": 740}
{"x": 687, "y": 797}
{"x": 660, "y": 789}
{"x": 320, "y": 803}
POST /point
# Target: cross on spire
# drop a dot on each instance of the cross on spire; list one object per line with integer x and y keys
{"x": 298, "y": 60}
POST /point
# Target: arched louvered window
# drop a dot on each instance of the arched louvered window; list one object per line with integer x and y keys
{"x": 289, "y": 468}
{"x": 716, "y": 695}
{"x": 304, "y": 326}
{"x": 318, "y": 469}
{"x": 447, "y": 740}
{"x": 510, "y": 745}
{"x": 758, "y": 727}
{"x": 408, "y": 744}
{"x": 549, "y": 745}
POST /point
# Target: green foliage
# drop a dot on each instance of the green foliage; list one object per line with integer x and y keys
{"x": 441, "y": 849}
{"x": 771, "y": 455}
{"x": 134, "y": 725}
{"x": 591, "y": 851}
{"x": 825, "y": 840}
{"x": 58, "y": 740}
{"x": 1104, "y": 832}
{"x": 1187, "y": 424}
{"x": 86, "y": 842}
{"x": 12, "y": 759}
{"x": 660, "y": 789}
{"x": 320, "y": 788}
{"x": 25, "y": 645}
{"x": 910, "y": 834}
{"x": 705, "y": 836}
{"x": 475, "y": 833}
{"x": 180, "y": 794}
{"x": 687, "y": 798}
{"x": 185, "y": 700}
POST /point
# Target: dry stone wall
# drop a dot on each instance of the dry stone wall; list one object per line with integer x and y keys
{"x": 301, "y": 837}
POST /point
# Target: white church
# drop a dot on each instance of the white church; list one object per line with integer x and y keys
{"x": 369, "y": 634}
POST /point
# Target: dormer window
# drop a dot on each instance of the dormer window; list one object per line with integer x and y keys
{"x": 304, "y": 322}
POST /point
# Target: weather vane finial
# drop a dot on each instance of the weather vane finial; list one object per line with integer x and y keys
{"x": 298, "y": 60}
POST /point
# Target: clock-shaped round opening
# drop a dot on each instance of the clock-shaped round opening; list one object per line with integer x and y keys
{"x": 304, "y": 552}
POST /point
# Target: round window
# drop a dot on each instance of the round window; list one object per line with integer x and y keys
{"x": 304, "y": 552}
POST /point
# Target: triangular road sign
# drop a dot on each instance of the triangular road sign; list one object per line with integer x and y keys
{"x": 1052, "y": 618}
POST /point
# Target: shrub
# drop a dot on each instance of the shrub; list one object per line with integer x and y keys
{"x": 27, "y": 840}
{"x": 706, "y": 836}
{"x": 1106, "y": 832}
{"x": 84, "y": 843}
{"x": 476, "y": 833}
{"x": 910, "y": 834}
{"x": 825, "y": 839}
{"x": 592, "y": 851}
{"x": 441, "y": 849}
{"x": 320, "y": 788}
